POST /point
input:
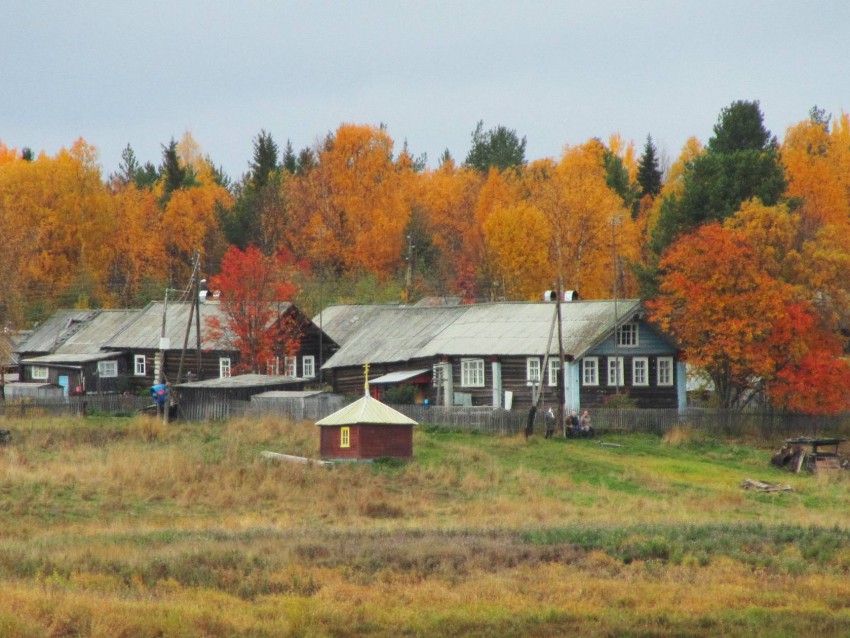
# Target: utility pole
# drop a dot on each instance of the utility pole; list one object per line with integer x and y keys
{"x": 408, "y": 278}
{"x": 615, "y": 221}
{"x": 561, "y": 372}
{"x": 194, "y": 287}
{"x": 163, "y": 345}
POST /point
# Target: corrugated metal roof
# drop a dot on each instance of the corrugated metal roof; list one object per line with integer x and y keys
{"x": 508, "y": 329}
{"x": 7, "y": 352}
{"x": 92, "y": 333}
{"x": 144, "y": 332}
{"x": 398, "y": 377}
{"x": 342, "y": 321}
{"x": 75, "y": 358}
{"x": 288, "y": 394}
{"x": 52, "y": 332}
{"x": 366, "y": 410}
{"x": 242, "y": 381}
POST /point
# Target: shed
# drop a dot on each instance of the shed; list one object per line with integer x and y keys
{"x": 214, "y": 398}
{"x": 366, "y": 429}
{"x": 36, "y": 391}
{"x": 297, "y": 404}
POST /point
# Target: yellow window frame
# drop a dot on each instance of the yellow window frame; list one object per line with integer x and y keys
{"x": 345, "y": 437}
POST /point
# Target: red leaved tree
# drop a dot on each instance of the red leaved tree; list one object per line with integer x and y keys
{"x": 748, "y": 330}
{"x": 255, "y": 319}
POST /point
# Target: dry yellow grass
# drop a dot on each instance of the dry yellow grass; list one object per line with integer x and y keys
{"x": 127, "y": 528}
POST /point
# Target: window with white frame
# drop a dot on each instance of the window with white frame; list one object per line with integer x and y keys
{"x": 472, "y": 373}
{"x": 106, "y": 369}
{"x": 224, "y": 367}
{"x": 290, "y": 367}
{"x": 615, "y": 371}
{"x": 627, "y": 335}
{"x": 139, "y": 365}
{"x": 39, "y": 373}
{"x": 554, "y": 366}
{"x": 590, "y": 371}
{"x": 308, "y": 366}
{"x": 665, "y": 370}
{"x": 532, "y": 370}
{"x": 640, "y": 371}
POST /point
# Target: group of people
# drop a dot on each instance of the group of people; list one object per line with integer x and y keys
{"x": 577, "y": 427}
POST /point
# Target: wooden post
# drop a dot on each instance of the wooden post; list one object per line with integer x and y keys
{"x": 561, "y": 371}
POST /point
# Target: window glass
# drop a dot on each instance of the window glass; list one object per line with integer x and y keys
{"x": 640, "y": 371}
{"x": 590, "y": 371}
{"x": 472, "y": 373}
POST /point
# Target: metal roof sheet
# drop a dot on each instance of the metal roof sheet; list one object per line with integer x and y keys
{"x": 96, "y": 330}
{"x": 366, "y": 410}
{"x": 508, "y": 329}
{"x": 52, "y": 332}
{"x": 143, "y": 333}
{"x": 288, "y": 394}
{"x": 242, "y": 381}
{"x": 342, "y": 321}
{"x": 398, "y": 377}
{"x": 75, "y": 358}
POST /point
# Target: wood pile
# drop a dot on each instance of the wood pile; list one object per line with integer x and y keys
{"x": 793, "y": 457}
{"x": 764, "y": 486}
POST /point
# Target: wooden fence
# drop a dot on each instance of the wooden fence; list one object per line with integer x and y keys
{"x": 74, "y": 406}
{"x": 761, "y": 424}
{"x": 764, "y": 424}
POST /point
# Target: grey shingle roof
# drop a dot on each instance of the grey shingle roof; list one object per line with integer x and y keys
{"x": 388, "y": 334}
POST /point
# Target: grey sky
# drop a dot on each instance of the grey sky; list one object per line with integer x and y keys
{"x": 556, "y": 72}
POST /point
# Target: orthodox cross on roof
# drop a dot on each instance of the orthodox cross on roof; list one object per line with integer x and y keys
{"x": 366, "y": 377}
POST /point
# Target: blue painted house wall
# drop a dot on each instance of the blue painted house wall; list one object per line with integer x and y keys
{"x": 651, "y": 345}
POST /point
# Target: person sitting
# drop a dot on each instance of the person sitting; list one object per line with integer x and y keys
{"x": 572, "y": 425}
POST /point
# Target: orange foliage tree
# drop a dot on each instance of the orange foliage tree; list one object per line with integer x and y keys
{"x": 744, "y": 327}
{"x": 590, "y": 228}
{"x": 56, "y": 217}
{"x": 190, "y": 222}
{"x": 817, "y": 163}
{"x": 448, "y": 197}
{"x": 350, "y": 208}
{"x": 518, "y": 241}
{"x": 253, "y": 287}
{"x": 139, "y": 242}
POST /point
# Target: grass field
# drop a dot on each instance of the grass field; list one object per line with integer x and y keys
{"x": 119, "y": 527}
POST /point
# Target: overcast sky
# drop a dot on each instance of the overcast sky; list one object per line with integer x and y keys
{"x": 556, "y": 72}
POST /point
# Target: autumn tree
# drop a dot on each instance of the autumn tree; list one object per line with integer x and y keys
{"x": 254, "y": 288}
{"x": 817, "y": 162}
{"x": 751, "y": 332}
{"x": 498, "y": 148}
{"x": 56, "y": 213}
{"x": 349, "y": 211}
{"x": 518, "y": 241}
{"x": 138, "y": 266}
{"x": 591, "y": 231}
{"x": 447, "y": 201}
